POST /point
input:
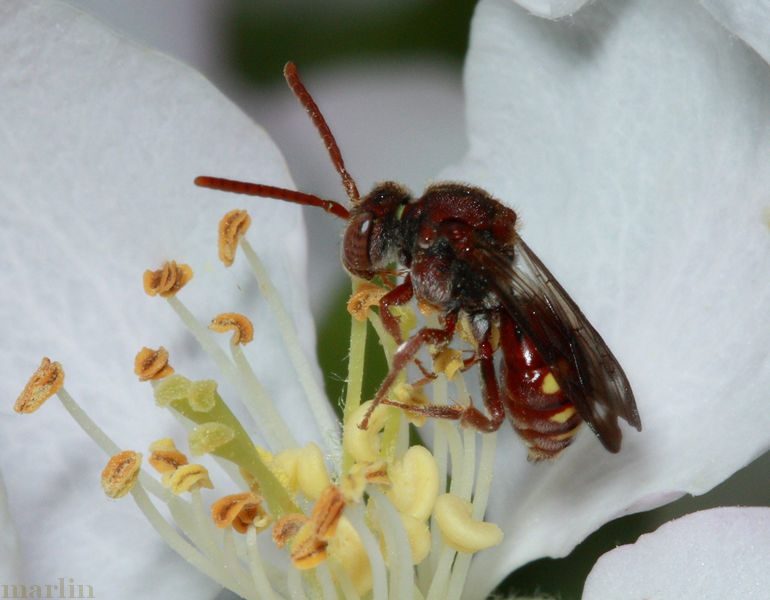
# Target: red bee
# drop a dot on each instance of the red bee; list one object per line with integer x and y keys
{"x": 464, "y": 258}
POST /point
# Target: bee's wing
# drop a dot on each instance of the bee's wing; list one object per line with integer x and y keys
{"x": 578, "y": 357}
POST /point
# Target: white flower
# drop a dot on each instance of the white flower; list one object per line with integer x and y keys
{"x": 711, "y": 554}
{"x": 100, "y": 143}
{"x": 633, "y": 140}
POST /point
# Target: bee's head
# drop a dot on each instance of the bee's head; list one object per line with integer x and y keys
{"x": 372, "y": 237}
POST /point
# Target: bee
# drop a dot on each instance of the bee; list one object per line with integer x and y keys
{"x": 461, "y": 255}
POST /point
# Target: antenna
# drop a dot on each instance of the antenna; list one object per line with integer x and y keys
{"x": 269, "y": 191}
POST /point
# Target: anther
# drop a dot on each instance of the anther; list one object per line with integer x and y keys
{"x": 239, "y": 511}
{"x": 167, "y": 280}
{"x": 459, "y": 530}
{"x": 44, "y": 383}
{"x": 363, "y": 445}
{"x": 406, "y": 393}
{"x": 414, "y": 479}
{"x": 165, "y": 457}
{"x": 187, "y": 478}
{"x": 242, "y": 328}
{"x": 287, "y": 527}
{"x": 449, "y": 362}
{"x": 310, "y": 536}
{"x": 365, "y": 296}
{"x": 353, "y": 485}
{"x": 121, "y": 473}
{"x": 152, "y": 364}
{"x": 232, "y": 226}
{"x": 327, "y": 512}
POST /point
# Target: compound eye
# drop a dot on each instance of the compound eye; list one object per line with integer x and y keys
{"x": 355, "y": 245}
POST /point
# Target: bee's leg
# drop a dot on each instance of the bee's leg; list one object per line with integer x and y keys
{"x": 404, "y": 354}
{"x": 427, "y": 376}
{"x": 490, "y": 392}
{"x": 398, "y": 296}
{"x": 468, "y": 416}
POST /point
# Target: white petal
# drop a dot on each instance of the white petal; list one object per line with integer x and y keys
{"x": 552, "y": 9}
{"x": 634, "y": 142}
{"x": 708, "y": 555}
{"x": 9, "y": 542}
{"x": 750, "y": 21}
{"x": 99, "y": 144}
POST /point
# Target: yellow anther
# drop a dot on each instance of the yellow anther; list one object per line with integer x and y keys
{"x": 377, "y": 473}
{"x": 407, "y": 319}
{"x": 207, "y": 437}
{"x": 406, "y": 393}
{"x": 242, "y": 328}
{"x": 152, "y": 364}
{"x": 44, "y": 383}
{"x": 465, "y": 332}
{"x": 307, "y": 549}
{"x": 353, "y": 485}
{"x": 550, "y": 385}
{"x": 287, "y": 527}
{"x": 187, "y": 478}
{"x": 174, "y": 388}
{"x": 360, "y": 475}
{"x": 284, "y": 467}
{"x": 312, "y": 476}
{"x": 121, "y": 473}
{"x": 164, "y": 457}
{"x": 347, "y": 550}
{"x": 202, "y": 395}
{"x": 364, "y": 444}
{"x": 414, "y": 482}
{"x": 167, "y": 280}
{"x": 299, "y": 469}
{"x": 163, "y": 444}
{"x": 310, "y": 537}
{"x": 232, "y": 226}
{"x": 459, "y": 530}
{"x": 365, "y": 296}
{"x": 239, "y": 511}
{"x": 327, "y": 512}
{"x": 418, "y": 534}
{"x": 449, "y": 362}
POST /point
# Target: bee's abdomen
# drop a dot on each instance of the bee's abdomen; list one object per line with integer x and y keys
{"x": 539, "y": 410}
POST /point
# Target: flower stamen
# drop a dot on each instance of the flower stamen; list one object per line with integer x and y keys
{"x": 167, "y": 280}
{"x": 152, "y": 364}
{"x": 165, "y": 457}
{"x": 44, "y": 383}
{"x": 239, "y": 511}
{"x": 187, "y": 478}
{"x": 242, "y": 328}
{"x": 232, "y": 226}
{"x": 459, "y": 530}
{"x": 365, "y": 297}
{"x": 310, "y": 536}
{"x": 121, "y": 473}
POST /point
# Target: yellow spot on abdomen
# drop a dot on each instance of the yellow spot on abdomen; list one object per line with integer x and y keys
{"x": 550, "y": 385}
{"x": 565, "y": 436}
{"x": 562, "y": 415}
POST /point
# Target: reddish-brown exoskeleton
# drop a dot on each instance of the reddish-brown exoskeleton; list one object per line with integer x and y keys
{"x": 463, "y": 257}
